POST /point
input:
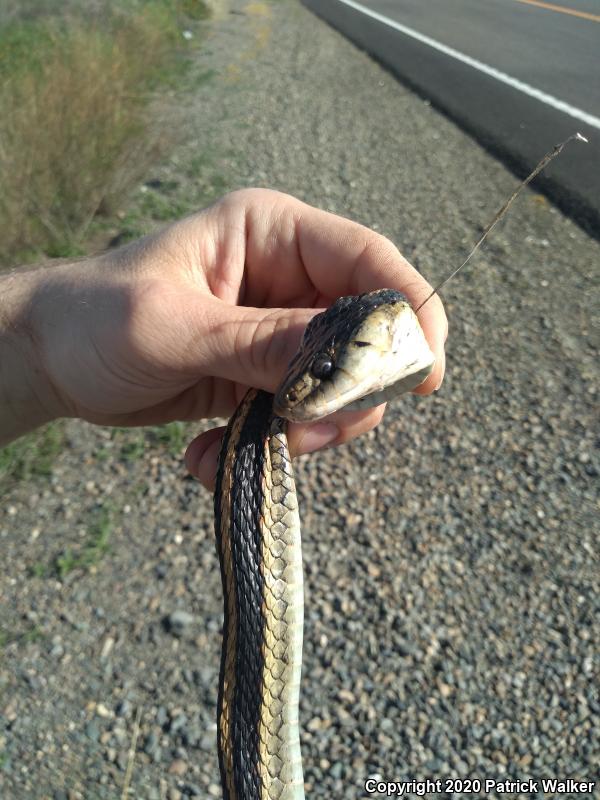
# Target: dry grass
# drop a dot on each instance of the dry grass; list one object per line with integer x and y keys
{"x": 75, "y": 129}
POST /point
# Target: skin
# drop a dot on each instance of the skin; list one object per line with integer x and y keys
{"x": 177, "y": 325}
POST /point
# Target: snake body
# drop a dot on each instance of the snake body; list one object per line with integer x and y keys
{"x": 261, "y": 563}
{"x": 360, "y": 352}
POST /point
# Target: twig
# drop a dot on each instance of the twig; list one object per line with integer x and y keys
{"x": 545, "y": 160}
{"x": 131, "y": 754}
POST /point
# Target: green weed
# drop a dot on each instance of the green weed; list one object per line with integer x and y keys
{"x": 159, "y": 207}
{"x": 173, "y": 436}
{"x": 194, "y": 9}
{"x": 38, "y": 570}
{"x": 94, "y": 549}
{"x": 134, "y": 442}
{"x": 134, "y": 448}
{"x": 32, "y": 634}
{"x": 90, "y": 553}
{"x": 32, "y": 455}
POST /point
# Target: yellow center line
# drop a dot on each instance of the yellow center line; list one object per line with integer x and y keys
{"x": 562, "y": 10}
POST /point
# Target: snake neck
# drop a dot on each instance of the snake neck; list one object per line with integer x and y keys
{"x": 258, "y": 541}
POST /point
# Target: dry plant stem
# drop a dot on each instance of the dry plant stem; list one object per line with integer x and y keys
{"x": 78, "y": 130}
{"x": 131, "y": 754}
{"x": 543, "y": 163}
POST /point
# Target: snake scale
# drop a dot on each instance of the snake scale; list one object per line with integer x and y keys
{"x": 358, "y": 353}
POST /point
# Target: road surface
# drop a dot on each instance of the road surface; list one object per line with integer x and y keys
{"x": 519, "y": 75}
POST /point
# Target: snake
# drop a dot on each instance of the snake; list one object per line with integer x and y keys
{"x": 360, "y": 352}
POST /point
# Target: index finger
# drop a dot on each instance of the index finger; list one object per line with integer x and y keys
{"x": 365, "y": 260}
{"x": 294, "y": 254}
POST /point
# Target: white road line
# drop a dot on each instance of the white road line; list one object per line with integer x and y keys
{"x": 515, "y": 83}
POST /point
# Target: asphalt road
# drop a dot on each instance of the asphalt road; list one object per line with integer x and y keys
{"x": 519, "y": 75}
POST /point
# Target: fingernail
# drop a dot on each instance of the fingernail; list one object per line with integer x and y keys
{"x": 317, "y": 436}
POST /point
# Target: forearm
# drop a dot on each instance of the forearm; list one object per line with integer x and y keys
{"x": 27, "y": 398}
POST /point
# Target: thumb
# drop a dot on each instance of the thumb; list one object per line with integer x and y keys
{"x": 252, "y": 346}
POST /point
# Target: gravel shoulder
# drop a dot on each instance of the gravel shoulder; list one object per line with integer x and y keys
{"x": 451, "y": 556}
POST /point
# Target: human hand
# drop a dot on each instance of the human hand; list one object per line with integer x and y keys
{"x": 179, "y": 324}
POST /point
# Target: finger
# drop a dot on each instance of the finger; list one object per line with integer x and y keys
{"x": 254, "y": 346}
{"x": 432, "y": 318}
{"x": 287, "y": 253}
{"x": 203, "y": 452}
{"x": 248, "y": 346}
{"x": 434, "y": 381}
{"x": 202, "y": 455}
{"x": 340, "y": 257}
{"x": 333, "y": 430}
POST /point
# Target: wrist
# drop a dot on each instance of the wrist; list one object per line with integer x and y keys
{"x": 27, "y": 396}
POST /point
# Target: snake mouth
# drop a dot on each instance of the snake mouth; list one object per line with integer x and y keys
{"x": 363, "y": 395}
{"x": 380, "y": 355}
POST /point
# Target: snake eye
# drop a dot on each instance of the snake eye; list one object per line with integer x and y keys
{"x": 322, "y": 366}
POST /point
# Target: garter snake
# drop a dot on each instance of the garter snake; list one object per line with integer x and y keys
{"x": 358, "y": 353}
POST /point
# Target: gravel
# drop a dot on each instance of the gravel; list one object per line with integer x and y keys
{"x": 451, "y": 556}
{"x": 178, "y": 623}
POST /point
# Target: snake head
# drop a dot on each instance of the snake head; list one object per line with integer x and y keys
{"x": 358, "y": 353}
